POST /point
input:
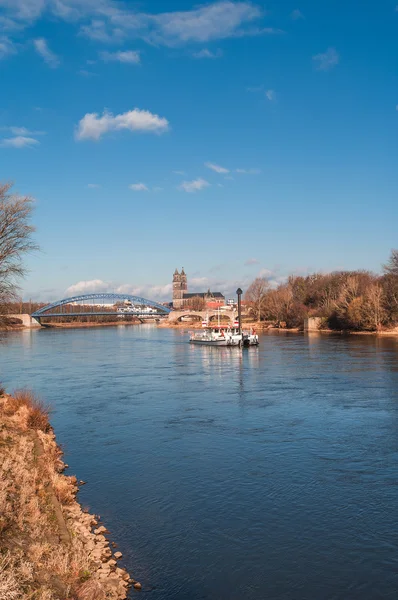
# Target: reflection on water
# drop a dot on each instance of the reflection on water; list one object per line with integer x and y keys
{"x": 266, "y": 472}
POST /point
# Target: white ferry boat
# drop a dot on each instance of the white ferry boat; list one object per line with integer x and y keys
{"x": 224, "y": 336}
{"x": 217, "y": 336}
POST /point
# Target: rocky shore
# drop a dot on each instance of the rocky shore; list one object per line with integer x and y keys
{"x": 50, "y": 548}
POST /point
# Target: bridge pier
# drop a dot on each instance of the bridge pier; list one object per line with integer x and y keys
{"x": 27, "y": 321}
{"x": 176, "y": 315}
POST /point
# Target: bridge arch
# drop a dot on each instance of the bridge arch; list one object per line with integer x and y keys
{"x": 49, "y": 310}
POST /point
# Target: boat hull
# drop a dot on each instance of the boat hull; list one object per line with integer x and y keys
{"x": 214, "y": 343}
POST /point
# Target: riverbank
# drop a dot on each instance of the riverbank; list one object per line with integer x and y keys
{"x": 264, "y": 327}
{"x": 50, "y": 548}
{"x": 74, "y": 325}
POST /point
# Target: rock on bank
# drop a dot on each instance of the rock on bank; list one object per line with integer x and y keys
{"x": 50, "y": 549}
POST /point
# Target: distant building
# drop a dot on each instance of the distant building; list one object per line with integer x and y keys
{"x": 181, "y": 297}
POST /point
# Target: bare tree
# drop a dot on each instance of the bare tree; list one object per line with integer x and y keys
{"x": 374, "y": 308}
{"x": 15, "y": 239}
{"x": 391, "y": 267}
{"x": 255, "y": 295}
{"x": 196, "y": 303}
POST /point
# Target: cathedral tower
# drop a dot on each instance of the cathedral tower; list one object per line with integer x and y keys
{"x": 180, "y": 286}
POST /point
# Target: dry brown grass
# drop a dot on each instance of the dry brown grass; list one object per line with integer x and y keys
{"x": 31, "y": 409}
{"x": 63, "y": 487}
{"x": 91, "y": 590}
{"x": 41, "y": 568}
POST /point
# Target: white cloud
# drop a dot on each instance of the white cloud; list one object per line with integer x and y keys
{"x": 7, "y": 47}
{"x": 248, "y": 171}
{"x": 179, "y": 172}
{"x": 157, "y": 293}
{"x": 251, "y": 261}
{"x": 19, "y": 141}
{"x": 131, "y": 57}
{"x": 206, "y": 53}
{"x": 88, "y": 287}
{"x": 107, "y": 20}
{"x": 326, "y": 60}
{"x": 296, "y": 15}
{"x": 138, "y": 187}
{"x": 216, "y": 168}
{"x": 194, "y": 186}
{"x": 93, "y": 185}
{"x": 47, "y": 55}
{"x": 21, "y": 131}
{"x": 92, "y": 126}
{"x": 153, "y": 292}
{"x": 270, "y": 94}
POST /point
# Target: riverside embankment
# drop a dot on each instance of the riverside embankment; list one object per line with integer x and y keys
{"x": 50, "y": 548}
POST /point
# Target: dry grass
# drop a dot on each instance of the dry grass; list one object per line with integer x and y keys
{"x": 34, "y": 565}
{"x": 15, "y": 575}
{"x": 38, "y": 412}
{"x": 63, "y": 487}
{"x": 91, "y": 590}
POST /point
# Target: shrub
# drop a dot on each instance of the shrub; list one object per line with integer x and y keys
{"x": 38, "y": 412}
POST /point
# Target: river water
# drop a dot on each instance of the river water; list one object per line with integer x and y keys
{"x": 263, "y": 473}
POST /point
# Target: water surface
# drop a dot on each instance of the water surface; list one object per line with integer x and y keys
{"x": 264, "y": 473}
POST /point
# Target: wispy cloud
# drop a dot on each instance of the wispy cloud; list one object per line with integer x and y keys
{"x": 107, "y": 20}
{"x": 179, "y": 172}
{"x": 194, "y": 186}
{"x": 148, "y": 291}
{"x": 131, "y": 57}
{"x": 248, "y": 171}
{"x": 87, "y": 287}
{"x": 47, "y": 55}
{"x": 22, "y": 131}
{"x": 216, "y": 168}
{"x": 93, "y": 127}
{"x": 138, "y": 187}
{"x": 271, "y": 95}
{"x": 326, "y": 60}
{"x": 7, "y": 47}
{"x": 93, "y": 185}
{"x": 19, "y": 141}
{"x": 206, "y": 53}
{"x": 85, "y": 73}
{"x": 251, "y": 261}
{"x": 296, "y": 15}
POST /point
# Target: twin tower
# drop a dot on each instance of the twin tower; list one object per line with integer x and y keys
{"x": 180, "y": 287}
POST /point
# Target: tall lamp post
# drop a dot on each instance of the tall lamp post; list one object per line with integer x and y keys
{"x": 239, "y": 293}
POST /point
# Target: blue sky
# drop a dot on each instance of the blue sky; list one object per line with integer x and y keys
{"x": 231, "y": 138}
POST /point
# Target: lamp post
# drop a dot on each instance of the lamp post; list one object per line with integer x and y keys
{"x": 239, "y": 293}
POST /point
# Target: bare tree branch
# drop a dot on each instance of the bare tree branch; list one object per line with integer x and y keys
{"x": 15, "y": 239}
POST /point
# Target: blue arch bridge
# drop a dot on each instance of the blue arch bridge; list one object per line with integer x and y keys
{"x": 102, "y": 304}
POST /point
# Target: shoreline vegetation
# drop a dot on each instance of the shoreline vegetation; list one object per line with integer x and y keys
{"x": 50, "y": 547}
{"x": 259, "y": 326}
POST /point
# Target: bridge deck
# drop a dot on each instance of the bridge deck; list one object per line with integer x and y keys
{"x": 99, "y": 314}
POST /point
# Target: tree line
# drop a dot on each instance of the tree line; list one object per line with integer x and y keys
{"x": 344, "y": 300}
